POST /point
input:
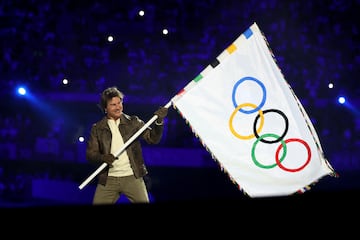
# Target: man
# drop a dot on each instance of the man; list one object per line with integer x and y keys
{"x": 125, "y": 173}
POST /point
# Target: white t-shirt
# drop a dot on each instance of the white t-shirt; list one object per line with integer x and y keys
{"x": 121, "y": 166}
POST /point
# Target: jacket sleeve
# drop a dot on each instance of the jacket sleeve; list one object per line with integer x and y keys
{"x": 93, "y": 153}
{"x": 152, "y": 134}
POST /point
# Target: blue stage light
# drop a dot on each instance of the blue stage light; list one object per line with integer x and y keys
{"x": 341, "y": 100}
{"x": 21, "y": 91}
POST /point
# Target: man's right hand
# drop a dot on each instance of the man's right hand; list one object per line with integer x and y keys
{"x": 109, "y": 159}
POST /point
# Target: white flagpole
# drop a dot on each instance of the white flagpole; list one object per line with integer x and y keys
{"x": 128, "y": 142}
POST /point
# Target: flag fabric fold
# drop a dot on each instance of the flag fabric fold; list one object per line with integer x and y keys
{"x": 249, "y": 119}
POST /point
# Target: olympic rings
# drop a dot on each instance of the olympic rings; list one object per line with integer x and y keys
{"x": 278, "y": 138}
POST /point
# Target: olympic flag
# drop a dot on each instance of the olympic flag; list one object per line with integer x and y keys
{"x": 248, "y": 118}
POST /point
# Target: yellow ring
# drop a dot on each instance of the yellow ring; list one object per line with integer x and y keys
{"x": 233, "y": 115}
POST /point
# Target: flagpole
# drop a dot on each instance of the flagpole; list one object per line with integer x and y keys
{"x": 127, "y": 143}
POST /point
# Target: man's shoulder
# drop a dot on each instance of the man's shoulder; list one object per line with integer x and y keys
{"x": 129, "y": 117}
{"x": 100, "y": 123}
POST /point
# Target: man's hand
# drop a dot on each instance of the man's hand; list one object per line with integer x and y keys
{"x": 109, "y": 159}
{"x": 161, "y": 113}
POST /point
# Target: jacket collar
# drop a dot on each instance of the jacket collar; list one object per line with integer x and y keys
{"x": 124, "y": 119}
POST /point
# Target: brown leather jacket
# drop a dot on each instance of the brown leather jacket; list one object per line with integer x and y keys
{"x": 99, "y": 143}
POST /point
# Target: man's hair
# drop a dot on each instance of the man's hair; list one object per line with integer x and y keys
{"x": 108, "y": 94}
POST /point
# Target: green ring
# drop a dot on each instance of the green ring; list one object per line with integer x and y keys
{"x": 256, "y": 142}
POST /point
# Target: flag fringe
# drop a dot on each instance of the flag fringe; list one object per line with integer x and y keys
{"x": 302, "y": 111}
{"x": 306, "y": 118}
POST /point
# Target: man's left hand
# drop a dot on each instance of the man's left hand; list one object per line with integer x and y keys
{"x": 161, "y": 113}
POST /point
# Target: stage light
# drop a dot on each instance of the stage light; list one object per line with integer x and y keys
{"x": 81, "y": 139}
{"x": 21, "y": 91}
{"x": 341, "y": 100}
{"x": 110, "y": 38}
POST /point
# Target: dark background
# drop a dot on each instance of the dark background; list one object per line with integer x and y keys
{"x": 42, "y": 162}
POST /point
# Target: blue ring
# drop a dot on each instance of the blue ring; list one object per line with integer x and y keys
{"x": 262, "y": 101}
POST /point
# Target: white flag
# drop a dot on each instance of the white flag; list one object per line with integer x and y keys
{"x": 249, "y": 119}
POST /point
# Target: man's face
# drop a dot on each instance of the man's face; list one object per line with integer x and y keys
{"x": 114, "y": 108}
